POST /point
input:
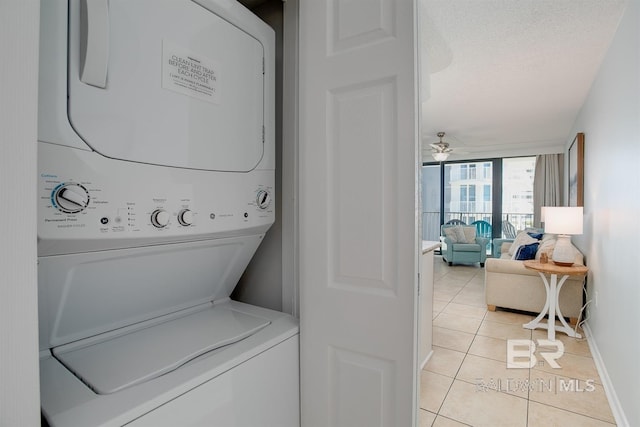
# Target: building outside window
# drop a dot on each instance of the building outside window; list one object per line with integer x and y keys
{"x": 517, "y": 191}
{"x": 462, "y": 187}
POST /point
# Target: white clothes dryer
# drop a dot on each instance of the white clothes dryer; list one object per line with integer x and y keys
{"x": 156, "y": 186}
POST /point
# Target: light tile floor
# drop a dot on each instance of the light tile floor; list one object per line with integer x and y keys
{"x": 467, "y": 382}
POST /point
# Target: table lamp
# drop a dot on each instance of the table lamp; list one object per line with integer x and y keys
{"x": 563, "y": 221}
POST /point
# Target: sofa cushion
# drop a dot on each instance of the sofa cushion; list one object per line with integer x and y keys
{"x": 466, "y": 247}
{"x": 509, "y": 266}
{"x": 504, "y": 250}
{"x": 526, "y": 252}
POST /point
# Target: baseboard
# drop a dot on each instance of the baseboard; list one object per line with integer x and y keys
{"x": 426, "y": 360}
{"x": 612, "y": 397}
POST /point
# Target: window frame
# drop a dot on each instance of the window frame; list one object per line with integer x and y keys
{"x": 495, "y": 187}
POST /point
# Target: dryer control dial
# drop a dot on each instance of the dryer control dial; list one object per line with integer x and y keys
{"x": 263, "y": 199}
{"x": 160, "y": 218}
{"x": 185, "y": 217}
{"x": 70, "y": 197}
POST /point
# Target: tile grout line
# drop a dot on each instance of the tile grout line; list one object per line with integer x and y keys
{"x": 530, "y": 370}
{"x": 455, "y": 375}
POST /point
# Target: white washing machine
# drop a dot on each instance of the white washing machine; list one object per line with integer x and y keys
{"x": 156, "y": 186}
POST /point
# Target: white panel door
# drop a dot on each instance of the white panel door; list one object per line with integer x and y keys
{"x": 358, "y": 212}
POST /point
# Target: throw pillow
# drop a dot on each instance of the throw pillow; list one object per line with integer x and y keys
{"x": 460, "y": 237}
{"x": 469, "y": 234}
{"x": 527, "y": 252}
{"x": 521, "y": 239}
{"x": 450, "y": 232}
{"x": 537, "y": 236}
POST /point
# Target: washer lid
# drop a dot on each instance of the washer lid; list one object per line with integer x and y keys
{"x": 88, "y": 294}
{"x": 127, "y": 360}
{"x": 165, "y": 82}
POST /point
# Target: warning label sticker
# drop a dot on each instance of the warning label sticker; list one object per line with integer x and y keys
{"x": 188, "y": 73}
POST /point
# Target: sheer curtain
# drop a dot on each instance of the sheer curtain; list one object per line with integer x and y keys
{"x": 547, "y": 183}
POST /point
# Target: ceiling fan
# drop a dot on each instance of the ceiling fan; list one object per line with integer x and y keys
{"x": 441, "y": 149}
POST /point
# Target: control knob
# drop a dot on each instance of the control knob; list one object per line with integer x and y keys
{"x": 71, "y": 198}
{"x": 263, "y": 199}
{"x": 160, "y": 218}
{"x": 185, "y": 217}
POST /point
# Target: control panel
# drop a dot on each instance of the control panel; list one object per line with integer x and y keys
{"x": 70, "y": 198}
{"x": 263, "y": 199}
{"x": 84, "y": 210}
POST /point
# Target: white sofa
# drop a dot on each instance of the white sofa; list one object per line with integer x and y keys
{"x": 509, "y": 284}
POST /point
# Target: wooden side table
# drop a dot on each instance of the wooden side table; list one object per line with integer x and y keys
{"x": 551, "y": 305}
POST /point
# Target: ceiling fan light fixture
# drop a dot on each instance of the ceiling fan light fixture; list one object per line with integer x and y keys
{"x": 440, "y": 157}
{"x": 441, "y": 149}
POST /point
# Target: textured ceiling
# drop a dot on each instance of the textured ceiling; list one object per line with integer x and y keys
{"x": 508, "y": 77}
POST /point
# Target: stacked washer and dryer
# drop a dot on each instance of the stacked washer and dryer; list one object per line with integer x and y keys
{"x": 156, "y": 186}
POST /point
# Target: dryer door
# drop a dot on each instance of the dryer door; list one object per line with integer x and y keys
{"x": 165, "y": 82}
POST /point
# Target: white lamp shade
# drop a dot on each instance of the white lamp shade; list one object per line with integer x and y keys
{"x": 563, "y": 220}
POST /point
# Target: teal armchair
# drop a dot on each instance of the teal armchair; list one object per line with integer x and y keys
{"x": 461, "y": 250}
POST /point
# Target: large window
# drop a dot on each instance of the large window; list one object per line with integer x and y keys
{"x": 517, "y": 191}
{"x": 493, "y": 190}
{"x": 467, "y": 194}
{"x": 431, "y": 195}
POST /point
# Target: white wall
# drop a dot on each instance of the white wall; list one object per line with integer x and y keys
{"x": 261, "y": 283}
{"x": 271, "y": 279}
{"x": 19, "y": 389}
{"x": 610, "y": 119}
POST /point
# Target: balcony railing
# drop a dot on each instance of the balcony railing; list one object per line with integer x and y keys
{"x": 519, "y": 220}
{"x": 431, "y": 221}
